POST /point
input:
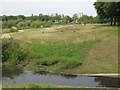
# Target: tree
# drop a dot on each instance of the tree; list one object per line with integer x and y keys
{"x": 21, "y": 17}
{"x": 66, "y": 19}
{"x": 37, "y": 23}
{"x": 118, "y": 13}
{"x": 96, "y": 19}
{"x": 48, "y": 24}
{"x": 22, "y": 25}
{"x": 9, "y": 24}
{"x": 108, "y": 11}
{"x": 4, "y": 18}
{"x": 35, "y": 18}
{"x": 86, "y": 19}
{"x": 75, "y": 18}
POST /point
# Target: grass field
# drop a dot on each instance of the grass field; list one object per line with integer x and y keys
{"x": 73, "y": 49}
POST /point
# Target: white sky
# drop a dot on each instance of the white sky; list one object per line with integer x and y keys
{"x": 27, "y": 7}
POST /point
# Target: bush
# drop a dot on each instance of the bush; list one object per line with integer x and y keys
{"x": 12, "y": 52}
{"x": 13, "y": 30}
{"x": 9, "y": 24}
{"x": 22, "y": 25}
{"x": 48, "y": 24}
{"x": 72, "y": 63}
{"x": 37, "y": 23}
{"x": 48, "y": 62}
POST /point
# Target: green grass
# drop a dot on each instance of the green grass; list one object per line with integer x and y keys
{"x": 67, "y": 55}
{"x": 49, "y": 87}
{"x": 36, "y": 86}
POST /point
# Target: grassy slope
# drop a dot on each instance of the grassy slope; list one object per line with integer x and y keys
{"x": 99, "y": 55}
{"x": 103, "y": 57}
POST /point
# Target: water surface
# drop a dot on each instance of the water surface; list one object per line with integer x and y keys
{"x": 17, "y": 76}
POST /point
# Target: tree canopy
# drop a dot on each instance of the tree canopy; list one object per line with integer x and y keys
{"x": 108, "y": 12}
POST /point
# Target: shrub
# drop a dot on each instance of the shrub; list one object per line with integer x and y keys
{"x": 9, "y": 24}
{"x": 13, "y": 30}
{"x": 72, "y": 63}
{"x": 12, "y": 52}
{"x": 37, "y": 23}
{"x": 48, "y": 24}
{"x": 22, "y": 25}
{"x": 48, "y": 62}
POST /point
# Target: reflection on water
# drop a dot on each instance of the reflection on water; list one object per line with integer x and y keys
{"x": 67, "y": 76}
{"x": 11, "y": 73}
{"x": 18, "y": 76}
{"x": 107, "y": 82}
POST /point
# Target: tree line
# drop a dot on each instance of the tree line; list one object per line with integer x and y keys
{"x": 36, "y": 21}
{"x": 107, "y": 12}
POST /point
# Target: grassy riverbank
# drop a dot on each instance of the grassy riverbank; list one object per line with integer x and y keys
{"x": 73, "y": 49}
{"x": 35, "y": 86}
{"x": 50, "y": 86}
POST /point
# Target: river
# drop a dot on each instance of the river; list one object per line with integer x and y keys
{"x": 18, "y": 76}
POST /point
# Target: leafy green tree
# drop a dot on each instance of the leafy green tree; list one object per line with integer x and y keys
{"x": 4, "y": 18}
{"x": 48, "y": 24}
{"x": 9, "y": 24}
{"x": 108, "y": 11}
{"x": 75, "y": 18}
{"x": 22, "y": 25}
{"x": 21, "y": 17}
{"x": 12, "y": 52}
{"x": 96, "y": 19}
{"x": 35, "y": 17}
{"x": 66, "y": 19}
{"x": 118, "y": 13}
{"x": 37, "y": 23}
{"x": 86, "y": 19}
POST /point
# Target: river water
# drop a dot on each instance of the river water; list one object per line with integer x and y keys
{"x": 17, "y": 76}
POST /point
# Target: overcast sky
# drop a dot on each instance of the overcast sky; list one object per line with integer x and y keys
{"x": 27, "y": 7}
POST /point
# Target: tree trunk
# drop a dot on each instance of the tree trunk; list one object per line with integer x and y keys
{"x": 118, "y": 21}
{"x": 111, "y": 21}
{"x": 114, "y": 21}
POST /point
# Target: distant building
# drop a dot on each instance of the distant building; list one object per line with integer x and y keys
{"x": 80, "y": 14}
{"x": 54, "y": 14}
{"x": 48, "y": 14}
{"x": 62, "y": 16}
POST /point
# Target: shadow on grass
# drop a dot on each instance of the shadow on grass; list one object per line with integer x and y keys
{"x": 107, "y": 25}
